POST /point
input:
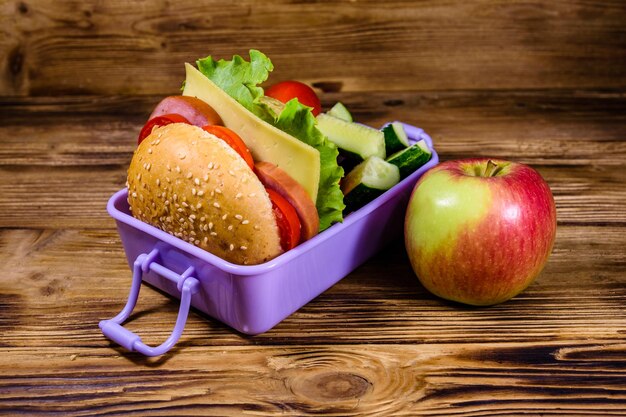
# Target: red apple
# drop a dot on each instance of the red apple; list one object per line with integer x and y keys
{"x": 479, "y": 231}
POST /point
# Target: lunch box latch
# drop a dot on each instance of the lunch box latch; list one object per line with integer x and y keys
{"x": 186, "y": 284}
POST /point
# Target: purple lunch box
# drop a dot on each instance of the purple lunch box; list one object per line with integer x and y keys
{"x": 252, "y": 298}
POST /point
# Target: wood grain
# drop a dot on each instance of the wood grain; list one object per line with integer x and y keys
{"x": 122, "y": 47}
{"x": 380, "y": 302}
{"x": 538, "y": 82}
{"x": 351, "y": 380}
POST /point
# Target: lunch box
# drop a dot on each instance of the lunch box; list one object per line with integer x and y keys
{"x": 252, "y": 298}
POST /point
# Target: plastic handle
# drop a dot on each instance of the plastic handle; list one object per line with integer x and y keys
{"x": 186, "y": 284}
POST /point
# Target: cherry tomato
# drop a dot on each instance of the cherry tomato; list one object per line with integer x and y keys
{"x": 286, "y": 219}
{"x": 233, "y": 140}
{"x": 159, "y": 121}
{"x": 286, "y": 90}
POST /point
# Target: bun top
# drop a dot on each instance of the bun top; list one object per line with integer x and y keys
{"x": 191, "y": 184}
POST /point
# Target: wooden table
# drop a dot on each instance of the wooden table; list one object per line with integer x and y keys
{"x": 536, "y": 82}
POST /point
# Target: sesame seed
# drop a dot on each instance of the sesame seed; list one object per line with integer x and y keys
{"x": 193, "y": 191}
{"x": 243, "y": 247}
{"x": 231, "y": 247}
{"x": 185, "y": 204}
{"x": 210, "y": 225}
{"x": 225, "y": 216}
{"x": 213, "y": 234}
{"x": 141, "y": 197}
{"x": 197, "y": 242}
{"x": 230, "y": 171}
{"x": 200, "y": 193}
{"x": 192, "y": 233}
{"x": 202, "y": 218}
{"x": 167, "y": 202}
{"x": 168, "y": 179}
{"x": 210, "y": 166}
{"x": 169, "y": 168}
{"x": 149, "y": 150}
{"x": 148, "y": 166}
{"x": 205, "y": 240}
{"x": 212, "y": 193}
{"x": 192, "y": 216}
{"x": 238, "y": 216}
{"x": 134, "y": 195}
{"x": 238, "y": 196}
{"x": 206, "y": 177}
{"x": 180, "y": 210}
{"x": 196, "y": 181}
{"x": 216, "y": 166}
{"x": 158, "y": 182}
{"x": 245, "y": 222}
{"x": 217, "y": 190}
{"x": 156, "y": 142}
{"x": 252, "y": 195}
{"x": 182, "y": 155}
{"x": 230, "y": 227}
{"x": 189, "y": 175}
{"x": 175, "y": 197}
{"x": 205, "y": 227}
{"x": 139, "y": 176}
{"x": 199, "y": 205}
{"x": 216, "y": 205}
{"x": 256, "y": 227}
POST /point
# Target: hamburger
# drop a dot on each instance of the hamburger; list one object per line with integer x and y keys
{"x": 241, "y": 179}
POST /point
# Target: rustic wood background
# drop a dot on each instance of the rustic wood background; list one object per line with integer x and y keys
{"x": 540, "y": 82}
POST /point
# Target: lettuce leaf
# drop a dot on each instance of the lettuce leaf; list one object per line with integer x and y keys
{"x": 240, "y": 79}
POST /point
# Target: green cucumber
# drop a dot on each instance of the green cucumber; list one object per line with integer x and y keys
{"x": 367, "y": 181}
{"x": 340, "y": 112}
{"x": 410, "y": 159}
{"x": 395, "y": 138}
{"x": 355, "y": 139}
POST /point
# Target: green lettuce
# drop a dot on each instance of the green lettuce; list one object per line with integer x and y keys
{"x": 240, "y": 79}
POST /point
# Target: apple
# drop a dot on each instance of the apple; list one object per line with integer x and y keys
{"x": 479, "y": 231}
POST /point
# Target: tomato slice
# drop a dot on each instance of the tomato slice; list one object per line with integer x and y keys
{"x": 233, "y": 140}
{"x": 159, "y": 121}
{"x": 286, "y": 90}
{"x": 287, "y": 220}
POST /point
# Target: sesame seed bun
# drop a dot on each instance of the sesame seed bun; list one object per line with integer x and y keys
{"x": 194, "y": 186}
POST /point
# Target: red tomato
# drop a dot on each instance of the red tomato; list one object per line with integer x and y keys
{"x": 287, "y": 220}
{"x": 233, "y": 140}
{"x": 286, "y": 90}
{"x": 159, "y": 121}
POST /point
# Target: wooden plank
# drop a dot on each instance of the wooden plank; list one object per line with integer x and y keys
{"x": 60, "y": 197}
{"x": 538, "y": 127}
{"x": 574, "y": 378}
{"x": 579, "y": 296}
{"x": 115, "y": 47}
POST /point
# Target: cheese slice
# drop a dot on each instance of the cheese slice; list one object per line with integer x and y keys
{"x": 266, "y": 142}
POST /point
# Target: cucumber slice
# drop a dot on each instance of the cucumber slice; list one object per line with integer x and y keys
{"x": 340, "y": 112}
{"x": 395, "y": 138}
{"x": 410, "y": 159}
{"x": 356, "y": 140}
{"x": 367, "y": 181}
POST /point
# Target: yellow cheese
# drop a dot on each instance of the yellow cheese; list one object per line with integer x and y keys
{"x": 266, "y": 142}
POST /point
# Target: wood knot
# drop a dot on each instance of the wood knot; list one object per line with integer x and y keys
{"x": 335, "y": 386}
{"x": 329, "y": 86}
